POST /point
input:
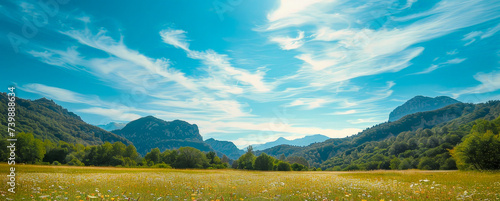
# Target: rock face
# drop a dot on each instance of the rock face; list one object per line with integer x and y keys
{"x": 225, "y": 147}
{"x": 307, "y": 140}
{"x": 420, "y": 104}
{"x": 150, "y": 132}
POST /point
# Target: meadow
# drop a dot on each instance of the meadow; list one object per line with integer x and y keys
{"x": 108, "y": 183}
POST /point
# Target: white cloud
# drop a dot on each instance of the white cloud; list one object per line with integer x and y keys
{"x": 105, "y": 43}
{"x": 113, "y": 114}
{"x": 491, "y": 31}
{"x": 218, "y": 65}
{"x": 60, "y": 94}
{"x": 409, "y": 3}
{"x": 362, "y": 121}
{"x": 479, "y": 35}
{"x": 343, "y": 48}
{"x": 434, "y": 67}
{"x": 175, "y": 37}
{"x": 489, "y": 82}
{"x": 345, "y": 112}
{"x": 287, "y": 43}
{"x": 309, "y": 103}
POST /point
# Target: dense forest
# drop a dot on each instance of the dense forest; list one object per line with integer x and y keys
{"x": 455, "y": 119}
{"x": 47, "y": 120}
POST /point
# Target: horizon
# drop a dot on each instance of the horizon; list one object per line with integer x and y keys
{"x": 252, "y": 71}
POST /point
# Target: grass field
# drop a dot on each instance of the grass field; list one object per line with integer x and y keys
{"x": 95, "y": 183}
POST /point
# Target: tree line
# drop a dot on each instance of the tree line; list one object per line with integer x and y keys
{"x": 30, "y": 150}
{"x": 471, "y": 146}
{"x": 264, "y": 162}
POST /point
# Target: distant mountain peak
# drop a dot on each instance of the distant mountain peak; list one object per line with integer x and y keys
{"x": 420, "y": 104}
{"x": 307, "y": 140}
{"x": 111, "y": 126}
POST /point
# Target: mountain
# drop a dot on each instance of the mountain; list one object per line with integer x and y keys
{"x": 307, "y": 140}
{"x": 47, "y": 120}
{"x": 453, "y": 117}
{"x": 225, "y": 147}
{"x": 112, "y": 126}
{"x": 150, "y": 132}
{"x": 420, "y": 104}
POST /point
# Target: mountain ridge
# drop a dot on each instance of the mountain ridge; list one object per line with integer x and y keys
{"x": 48, "y": 120}
{"x": 420, "y": 104}
{"x": 455, "y": 115}
{"x": 225, "y": 147}
{"x": 304, "y": 141}
{"x": 150, "y": 132}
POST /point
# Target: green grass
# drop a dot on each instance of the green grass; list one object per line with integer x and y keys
{"x": 98, "y": 183}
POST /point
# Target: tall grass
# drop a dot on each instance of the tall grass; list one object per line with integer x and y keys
{"x": 96, "y": 183}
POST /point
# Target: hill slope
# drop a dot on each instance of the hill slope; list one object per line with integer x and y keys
{"x": 225, "y": 147}
{"x": 307, "y": 140}
{"x": 452, "y": 116}
{"x": 47, "y": 120}
{"x": 150, "y": 132}
{"x": 420, "y": 104}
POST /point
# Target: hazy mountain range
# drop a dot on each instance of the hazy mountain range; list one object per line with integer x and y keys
{"x": 112, "y": 126}
{"x": 307, "y": 140}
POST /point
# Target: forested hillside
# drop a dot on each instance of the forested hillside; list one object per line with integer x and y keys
{"x": 47, "y": 120}
{"x": 448, "y": 124}
{"x": 420, "y": 104}
{"x": 150, "y": 132}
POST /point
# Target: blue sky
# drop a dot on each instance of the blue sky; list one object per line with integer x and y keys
{"x": 250, "y": 71}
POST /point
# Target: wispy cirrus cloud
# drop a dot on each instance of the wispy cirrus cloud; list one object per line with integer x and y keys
{"x": 479, "y": 35}
{"x": 219, "y": 65}
{"x": 489, "y": 82}
{"x": 350, "y": 49}
{"x": 434, "y": 67}
{"x": 309, "y": 103}
{"x": 288, "y": 43}
{"x": 60, "y": 94}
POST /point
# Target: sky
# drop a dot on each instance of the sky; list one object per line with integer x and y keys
{"x": 250, "y": 71}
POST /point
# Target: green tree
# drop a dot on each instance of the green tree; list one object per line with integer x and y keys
{"x": 190, "y": 157}
{"x": 298, "y": 167}
{"x": 29, "y": 149}
{"x": 153, "y": 156}
{"x": 118, "y": 149}
{"x": 284, "y": 166}
{"x": 264, "y": 162}
{"x": 479, "y": 151}
{"x": 247, "y": 160}
{"x": 405, "y": 164}
{"x": 169, "y": 156}
{"x": 298, "y": 159}
{"x": 131, "y": 152}
{"x": 427, "y": 163}
{"x": 394, "y": 163}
